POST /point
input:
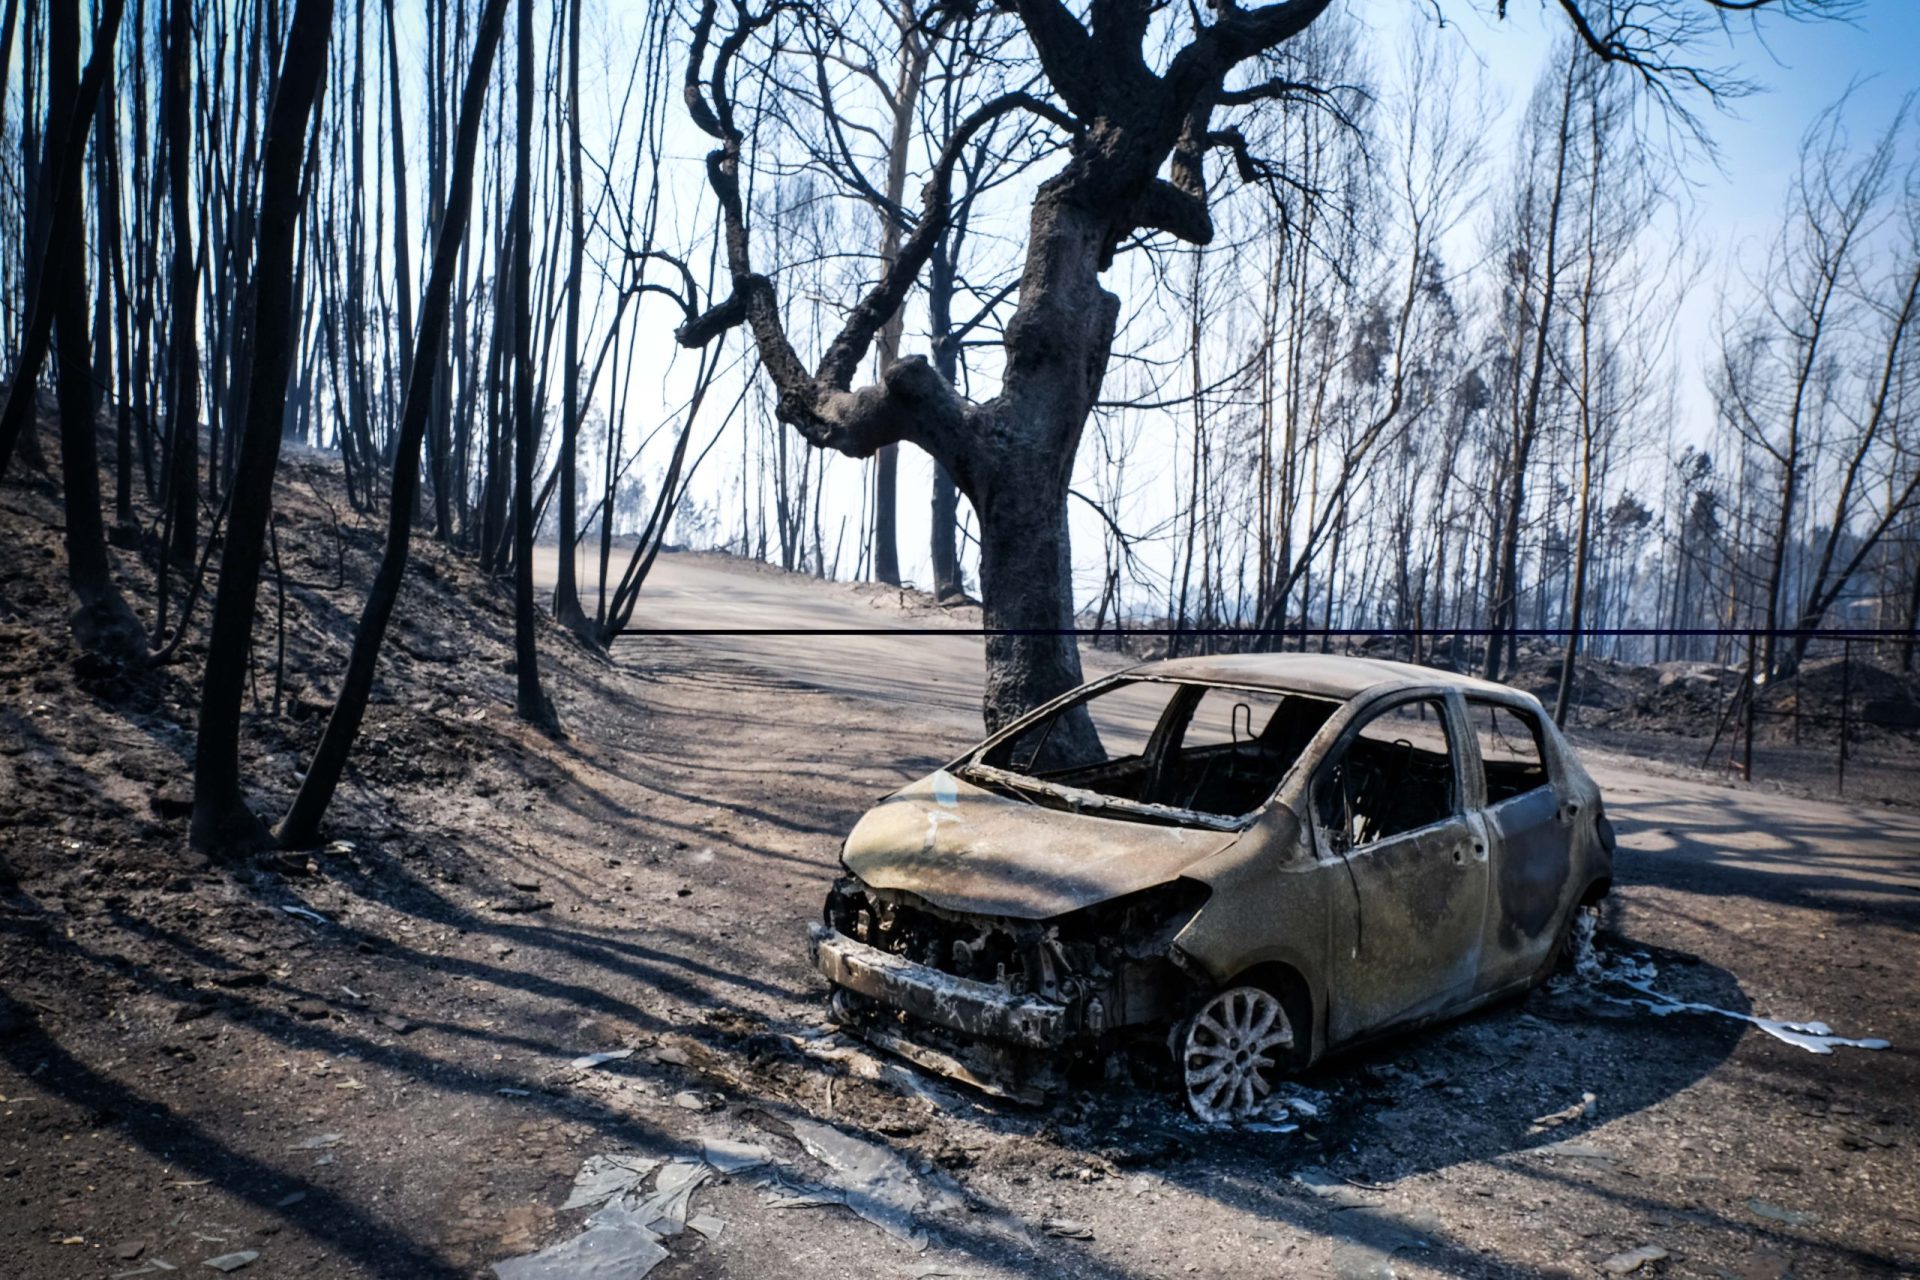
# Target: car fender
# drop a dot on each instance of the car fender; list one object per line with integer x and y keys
{"x": 1267, "y": 906}
{"x": 1592, "y": 840}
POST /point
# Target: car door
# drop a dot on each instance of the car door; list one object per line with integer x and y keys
{"x": 1528, "y": 825}
{"x": 1390, "y": 811}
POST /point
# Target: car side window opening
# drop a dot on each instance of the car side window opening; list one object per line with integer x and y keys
{"x": 1510, "y": 751}
{"x": 1394, "y": 776}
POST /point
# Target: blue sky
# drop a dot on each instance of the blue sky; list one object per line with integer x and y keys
{"x": 1798, "y": 67}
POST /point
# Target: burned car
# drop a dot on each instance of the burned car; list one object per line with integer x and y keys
{"x": 1252, "y": 860}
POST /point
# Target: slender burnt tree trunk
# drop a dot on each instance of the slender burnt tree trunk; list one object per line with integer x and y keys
{"x": 1504, "y": 622}
{"x": 530, "y": 702}
{"x": 1563, "y": 694}
{"x": 886, "y": 462}
{"x": 102, "y": 622}
{"x": 302, "y": 822}
{"x": 183, "y": 406}
{"x": 946, "y": 362}
{"x": 34, "y": 226}
{"x": 70, "y": 111}
{"x": 496, "y": 492}
{"x": 112, "y": 264}
{"x": 566, "y": 592}
{"x": 402, "y": 268}
{"x": 222, "y": 822}
{"x": 239, "y": 284}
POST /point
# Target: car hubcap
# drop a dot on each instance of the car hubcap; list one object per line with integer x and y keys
{"x": 1226, "y": 1057}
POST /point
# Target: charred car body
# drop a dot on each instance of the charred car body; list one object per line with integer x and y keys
{"x": 1253, "y": 859}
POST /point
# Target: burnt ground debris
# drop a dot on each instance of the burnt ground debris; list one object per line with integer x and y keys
{"x": 191, "y": 1070}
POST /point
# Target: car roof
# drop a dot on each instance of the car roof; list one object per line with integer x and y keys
{"x": 1327, "y": 675}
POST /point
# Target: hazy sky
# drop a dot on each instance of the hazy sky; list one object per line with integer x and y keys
{"x": 1797, "y": 68}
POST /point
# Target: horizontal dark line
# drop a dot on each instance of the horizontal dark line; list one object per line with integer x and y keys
{"x": 1334, "y": 633}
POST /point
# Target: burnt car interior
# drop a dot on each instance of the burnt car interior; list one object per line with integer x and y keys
{"x": 1210, "y": 749}
{"x": 1394, "y": 776}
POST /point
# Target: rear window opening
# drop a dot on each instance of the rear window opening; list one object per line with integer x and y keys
{"x": 1509, "y": 749}
{"x": 1162, "y": 748}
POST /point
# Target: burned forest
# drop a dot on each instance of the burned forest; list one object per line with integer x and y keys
{"x": 979, "y": 638}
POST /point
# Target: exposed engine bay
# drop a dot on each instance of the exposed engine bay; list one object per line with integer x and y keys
{"x": 1018, "y": 1003}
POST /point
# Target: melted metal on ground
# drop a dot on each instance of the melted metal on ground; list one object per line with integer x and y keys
{"x": 1598, "y": 969}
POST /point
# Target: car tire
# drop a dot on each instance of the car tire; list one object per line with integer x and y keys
{"x": 1562, "y": 957}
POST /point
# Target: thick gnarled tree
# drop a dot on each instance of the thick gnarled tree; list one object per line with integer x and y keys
{"x": 1012, "y": 455}
{"x": 1143, "y": 91}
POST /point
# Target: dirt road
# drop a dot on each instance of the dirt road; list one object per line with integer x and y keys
{"x": 938, "y": 675}
{"x": 373, "y": 1061}
{"x": 1847, "y": 855}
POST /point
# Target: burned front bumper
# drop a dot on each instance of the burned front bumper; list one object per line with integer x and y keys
{"x": 968, "y": 1007}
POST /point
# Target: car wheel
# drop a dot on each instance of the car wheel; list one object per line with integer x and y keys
{"x": 1229, "y": 1053}
{"x": 1572, "y": 946}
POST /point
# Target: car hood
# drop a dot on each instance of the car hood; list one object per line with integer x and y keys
{"x": 964, "y": 848}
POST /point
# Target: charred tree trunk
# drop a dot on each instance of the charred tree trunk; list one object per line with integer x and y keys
{"x": 33, "y": 240}
{"x": 402, "y": 268}
{"x": 886, "y": 462}
{"x": 183, "y": 354}
{"x": 530, "y": 702}
{"x": 302, "y": 822}
{"x": 222, "y": 822}
{"x": 947, "y": 583}
{"x": 102, "y": 622}
{"x": 1057, "y": 343}
{"x": 1563, "y": 695}
{"x": 566, "y": 592}
{"x": 8, "y": 25}
{"x": 112, "y": 264}
{"x": 1506, "y": 588}
{"x": 71, "y": 107}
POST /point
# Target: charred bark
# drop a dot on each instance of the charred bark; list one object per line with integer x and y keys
{"x": 566, "y": 592}
{"x": 302, "y": 822}
{"x": 222, "y": 822}
{"x": 183, "y": 356}
{"x": 102, "y": 622}
{"x": 530, "y": 702}
{"x": 70, "y": 111}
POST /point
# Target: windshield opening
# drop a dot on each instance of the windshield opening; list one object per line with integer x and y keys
{"x": 1162, "y": 749}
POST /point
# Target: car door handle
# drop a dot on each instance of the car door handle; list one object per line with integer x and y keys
{"x": 1460, "y": 853}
